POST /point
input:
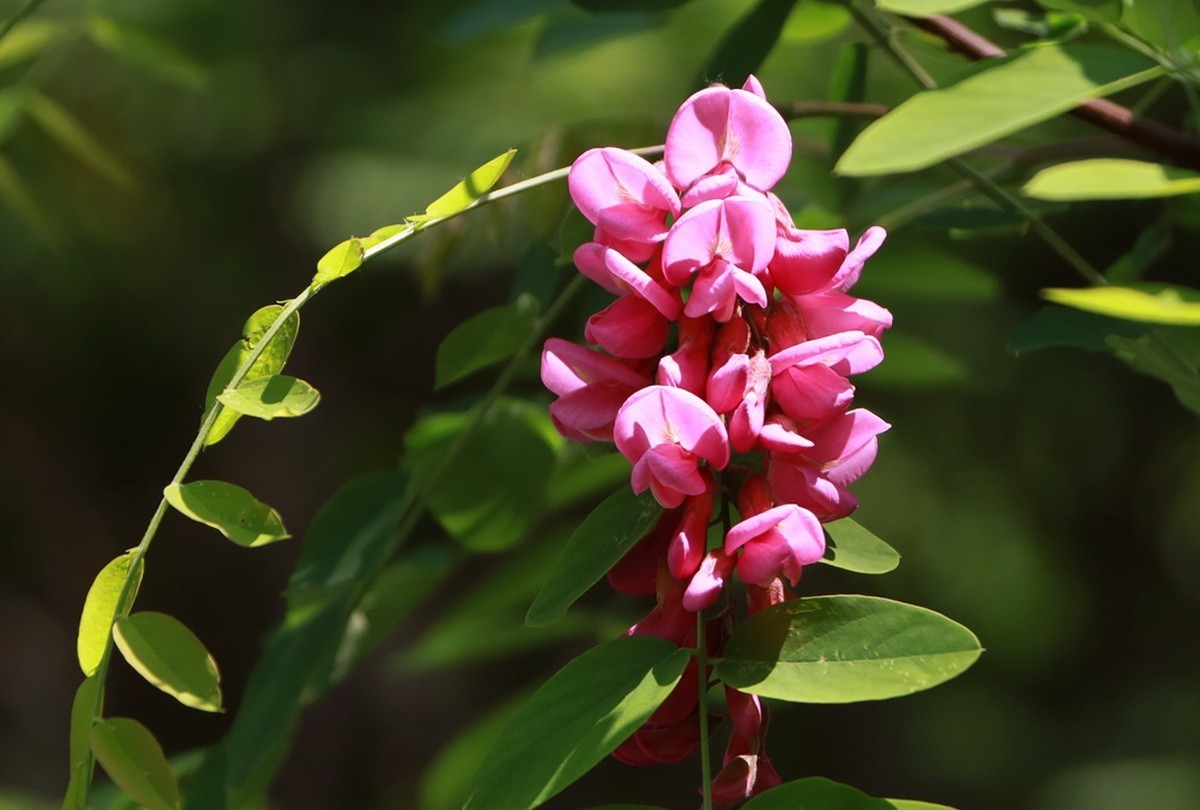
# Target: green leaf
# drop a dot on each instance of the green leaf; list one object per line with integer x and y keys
{"x": 1151, "y": 244}
{"x": 843, "y": 649}
{"x": 1172, "y": 25}
{"x": 576, "y": 719}
{"x": 83, "y": 709}
{"x": 1147, "y": 303}
{"x": 341, "y": 260}
{"x": 470, "y": 189}
{"x": 271, "y": 397}
{"x": 229, "y": 509}
{"x": 1051, "y": 25}
{"x": 383, "y": 234}
{"x": 486, "y": 339}
{"x": 745, "y": 46}
{"x": 613, "y": 527}
{"x": 991, "y": 101}
{"x": 269, "y": 363}
{"x": 169, "y": 656}
{"x": 1110, "y": 179}
{"x": 101, "y": 608}
{"x": 349, "y": 539}
{"x": 514, "y": 443}
{"x": 1149, "y": 356}
{"x": 1073, "y": 328}
{"x": 913, "y": 363}
{"x": 134, "y": 760}
{"x": 853, "y": 548}
{"x": 71, "y": 135}
{"x": 927, "y": 8}
{"x": 819, "y": 793}
{"x": 27, "y": 39}
{"x": 146, "y": 51}
{"x": 813, "y": 21}
{"x": 1107, "y": 11}
{"x": 447, "y": 781}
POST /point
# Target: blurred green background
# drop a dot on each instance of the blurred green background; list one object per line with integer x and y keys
{"x": 212, "y": 152}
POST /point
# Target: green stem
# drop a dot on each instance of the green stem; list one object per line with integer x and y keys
{"x": 702, "y": 680}
{"x": 290, "y": 309}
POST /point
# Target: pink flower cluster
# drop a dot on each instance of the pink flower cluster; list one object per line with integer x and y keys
{"x": 766, "y": 337}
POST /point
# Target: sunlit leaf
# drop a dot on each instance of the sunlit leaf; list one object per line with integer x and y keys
{"x": 71, "y": 135}
{"x": 572, "y": 30}
{"x": 270, "y": 362}
{"x": 1147, "y": 303}
{"x": 991, "y": 101}
{"x": 271, "y": 397}
{"x": 1173, "y": 25}
{"x": 819, "y": 793}
{"x": 844, "y": 649}
{"x": 103, "y": 604}
{"x": 471, "y": 188}
{"x": 576, "y": 719}
{"x": 815, "y": 21}
{"x": 383, "y": 234}
{"x": 146, "y": 51}
{"x": 28, "y": 38}
{"x": 488, "y": 338}
{"x": 341, "y": 260}
{"x": 1051, "y": 25}
{"x": 134, "y": 760}
{"x": 1062, "y": 326}
{"x": 1107, "y": 11}
{"x": 169, "y": 655}
{"x": 229, "y": 509}
{"x": 853, "y": 548}
{"x": 1110, "y": 179}
{"x": 926, "y": 8}
{"x": 597, "y": 545}
{"x": 492, "y": 511}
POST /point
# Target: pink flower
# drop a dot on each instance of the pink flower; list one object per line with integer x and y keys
{"x": 687, "y": 546}
{"x": 615, "y": 273}
{"x": 622, "y": 194}
{"x": 772, "y": 538}
{"x": 809, "y": 380}
{"x": 724, "y": 243}
{"x": 738, "y": 128}
{"x": 591, "y": 389}
{"x": 704, "y": 589}
{"x": 687, "y": 366}
{"x": 827, "y": 313}
{"x": 666, "y": 432}
{"x": 628, "y": 327}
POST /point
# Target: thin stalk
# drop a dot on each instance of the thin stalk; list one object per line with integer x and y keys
{"x": 290, "y": 309}
{"x": 702, "y": 680}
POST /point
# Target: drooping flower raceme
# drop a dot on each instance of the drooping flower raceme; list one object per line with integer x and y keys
{"x": 766, "y": 339}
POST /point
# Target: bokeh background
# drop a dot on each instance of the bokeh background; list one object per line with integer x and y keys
{"x": 212, "y": 152}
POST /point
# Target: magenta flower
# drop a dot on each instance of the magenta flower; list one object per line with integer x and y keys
{"x": 591, "y": 389}
{"x": 666, "y": 432}
{"x": 724, "y": 243}
{"x": 719, "y": 126}
{"x": 783, "y": 538}
{"x": 708, "y": 581}
{"x": 817, "y": 261}
{"x": 617, "y": 274}
{"x": 622, "y": 194}
{"x": 809, "y": 380}
{"x": 687, "y": 366}
{"x": 629, "y": 327}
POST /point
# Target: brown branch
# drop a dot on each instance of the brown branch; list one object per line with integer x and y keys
{"x": 1175, "y": 147}
{"x": 824, "y": 109}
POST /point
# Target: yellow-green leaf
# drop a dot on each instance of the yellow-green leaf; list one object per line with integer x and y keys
{"x": 925, "y": 8}
{"x": 71, "y": 135}
{"x": 382, "y": 234}
{"x": 169, "y": 655}
{"x": 134, "y": 760}
{"x": 102, "y": 605}
{"x": 28, "y": 38}
{"x": 341, "y": 260}
{"x": 229, "y": 509}
{"x": 472, "y": 187}
{"x": 270, "y": 362}
{"x": 271, "y": 397}
{"x": 82, "y": 713}
{"x": 1110, "y": 179}
{"x": 1161, "y": 303}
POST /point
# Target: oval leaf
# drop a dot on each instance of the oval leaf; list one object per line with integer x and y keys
{"x": 100, "y": 608}
{"x": 472, "y": 187}
{"x": 228, "y": 508}
{"x": 134, "y": 760}
{"x": 1163, "y": 303}
{"x": 926, "y": 8}
{"x": 853, "y": 548}
{"x": 819, "y": 793}
{"x": 341, "y": 260}
{"x": 271, "y": 397}
{"x": 169, "y": 655}
{"x": 489, "y": 337}
{"x": 597, "y": 545}
{"x": 1004, "y": 96}
{"x": 1110, "y": 179}
{"x": 83, "y": 710}
{"x": 843, "y": 649}
{"x": 270, "y": 362}
{"x": 578, "y": 717}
